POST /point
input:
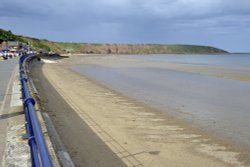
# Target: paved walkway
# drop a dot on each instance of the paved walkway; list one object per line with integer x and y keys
{"x": 6, "y": 73}
{"x": 14, "y": 151}
{"x": 6, "y": 69}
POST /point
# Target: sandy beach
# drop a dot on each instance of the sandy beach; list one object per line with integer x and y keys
{"x": 101, "y": 127}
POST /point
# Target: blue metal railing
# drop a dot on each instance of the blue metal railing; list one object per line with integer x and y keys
{"x": 38, "y": 149}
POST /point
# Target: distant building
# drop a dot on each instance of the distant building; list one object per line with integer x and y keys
{"x": 14, "y": 44}
{"x": 3, "y": 46}
{"x": 10, "y": 44}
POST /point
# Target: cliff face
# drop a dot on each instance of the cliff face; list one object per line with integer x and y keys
{"x": 147, "y": 49}
{"x": 61, "y": 47}
{"x": 131, "y": 48}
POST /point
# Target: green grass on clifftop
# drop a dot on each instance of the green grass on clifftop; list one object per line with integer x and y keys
{"x": 63, "y": 47}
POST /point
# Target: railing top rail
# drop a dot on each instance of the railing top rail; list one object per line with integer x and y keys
{"x": 38, "y": 149}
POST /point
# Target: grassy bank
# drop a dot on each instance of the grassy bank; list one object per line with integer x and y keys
{"x": 63, "y": 47}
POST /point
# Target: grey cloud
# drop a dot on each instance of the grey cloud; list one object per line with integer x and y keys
{"x": 124, "y": 21}
{"x": 24, "y": 8}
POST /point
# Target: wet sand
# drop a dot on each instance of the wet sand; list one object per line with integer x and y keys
{"x": 196, "y": 93}
{"x": 101, "y": 127}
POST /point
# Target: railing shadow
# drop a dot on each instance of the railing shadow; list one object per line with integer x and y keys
{"x": 10, "y": 115}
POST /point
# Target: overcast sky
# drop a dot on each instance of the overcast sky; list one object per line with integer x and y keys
{"x": 221, "y": 23}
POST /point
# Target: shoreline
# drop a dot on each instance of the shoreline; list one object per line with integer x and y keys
{"x": 153, "y": 128}
{"x": 241, "y": 74}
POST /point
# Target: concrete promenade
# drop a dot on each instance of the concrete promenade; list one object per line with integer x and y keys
{"x": 13, "y": 149}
